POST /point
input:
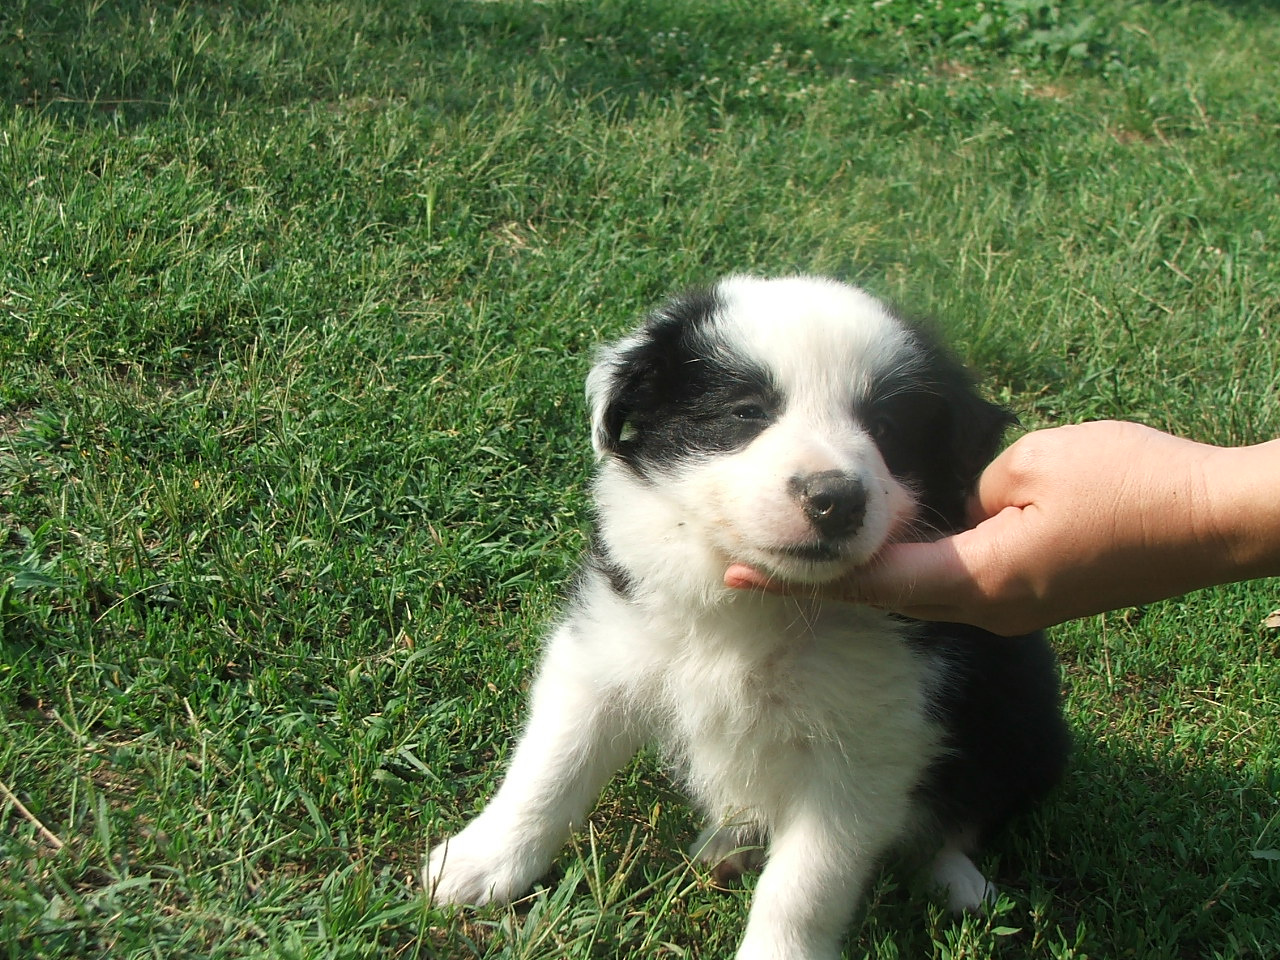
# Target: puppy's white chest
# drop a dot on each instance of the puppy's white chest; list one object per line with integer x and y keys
{"x": 742, "y": 720}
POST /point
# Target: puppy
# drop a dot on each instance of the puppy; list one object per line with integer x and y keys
{"x": 796, "y": 425}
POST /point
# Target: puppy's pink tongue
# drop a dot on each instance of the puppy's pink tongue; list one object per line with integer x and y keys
{"x": 739, "y": 576}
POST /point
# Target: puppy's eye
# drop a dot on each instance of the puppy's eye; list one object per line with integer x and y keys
{"x": 750, "y": 412}
{"x": 880, "y": 427}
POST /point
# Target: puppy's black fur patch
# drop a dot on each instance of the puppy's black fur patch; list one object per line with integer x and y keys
{"x": 679, "y": 393}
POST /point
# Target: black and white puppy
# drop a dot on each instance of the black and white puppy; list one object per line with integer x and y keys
{"x": 796, "y": 425}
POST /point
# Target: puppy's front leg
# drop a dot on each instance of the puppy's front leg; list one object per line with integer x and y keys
{"x": 818, "y": 868}
{"x": 577, "y": 735}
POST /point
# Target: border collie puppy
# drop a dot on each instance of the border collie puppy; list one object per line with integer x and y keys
{"x": 796, "y": 425}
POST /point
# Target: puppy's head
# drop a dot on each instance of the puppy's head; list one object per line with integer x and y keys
{"x": 793, "y": 424}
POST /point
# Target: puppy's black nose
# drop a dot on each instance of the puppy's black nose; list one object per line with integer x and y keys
{"x": 834, "y": 502}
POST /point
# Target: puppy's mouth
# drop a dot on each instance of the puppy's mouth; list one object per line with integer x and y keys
{"x": 812, "y": 552}
{"x": 813, "y": 562}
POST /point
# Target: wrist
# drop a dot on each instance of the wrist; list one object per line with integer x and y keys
{"x": 1243, "y": 494}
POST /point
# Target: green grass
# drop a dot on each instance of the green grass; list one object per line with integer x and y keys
{"x": 296, "y": 300}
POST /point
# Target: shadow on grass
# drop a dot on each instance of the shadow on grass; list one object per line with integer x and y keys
{"x": 1161, "y": 856}
{"x": 137, "y": 63}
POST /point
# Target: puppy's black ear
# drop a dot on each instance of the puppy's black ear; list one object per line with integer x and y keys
{"x": 977, "y": 434}
{"x": 623, "y": 383}
{"x": 635, "y": 377}
{"x": 968, "y": 435}
{"x": 609, "y": 384}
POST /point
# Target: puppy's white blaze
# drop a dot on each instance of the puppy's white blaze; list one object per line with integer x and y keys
{"x": 788, "y": 322}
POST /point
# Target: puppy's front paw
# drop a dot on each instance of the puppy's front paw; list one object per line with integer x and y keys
{"x": 967, "y": 889}
{"x": 473, "y": 869}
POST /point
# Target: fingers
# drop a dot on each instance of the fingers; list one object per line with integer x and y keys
{"x": 999, "y": 485}
{"x": 739, "y": 576}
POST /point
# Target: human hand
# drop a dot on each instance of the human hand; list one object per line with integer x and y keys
{"x": 1075, "y": 520}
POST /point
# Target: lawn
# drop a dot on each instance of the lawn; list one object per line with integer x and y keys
{"x": 296, "y": 301}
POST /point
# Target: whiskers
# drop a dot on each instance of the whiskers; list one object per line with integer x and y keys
{"x": 918, "y": 529}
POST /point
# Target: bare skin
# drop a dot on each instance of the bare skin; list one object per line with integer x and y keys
{"x": 1077, "y": 520}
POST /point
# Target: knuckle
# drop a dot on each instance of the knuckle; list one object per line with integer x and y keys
{"x": 1027, "y": 458}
